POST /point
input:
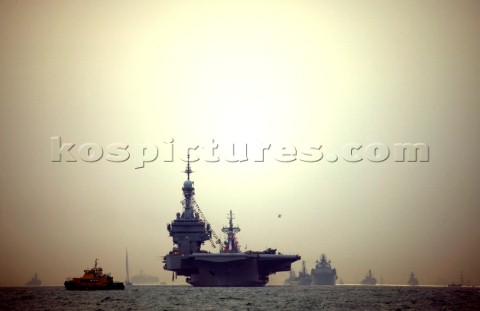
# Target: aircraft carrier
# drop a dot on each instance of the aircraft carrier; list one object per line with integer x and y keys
{"x": 230, "y": 267}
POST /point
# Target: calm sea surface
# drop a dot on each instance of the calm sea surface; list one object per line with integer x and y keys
{"x": 266, "y": 298}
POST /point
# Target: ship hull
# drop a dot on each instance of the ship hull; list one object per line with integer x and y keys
{"x": 324, "y": 278}
{"x": 369, "y": 282}
{"x": 299, "y": 281}
{"x": 228, "y": 269}
{"x": 71, "y": 285}
{"x": 226, "y": 273}
{"x": 305, "y": 281}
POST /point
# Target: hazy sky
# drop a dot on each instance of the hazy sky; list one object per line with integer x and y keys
{"x": 299, "y": 73}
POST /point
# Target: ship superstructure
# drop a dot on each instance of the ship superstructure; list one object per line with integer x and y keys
{"x": 230, "y": 267}
{"x": 323, "y": 273}
{"x": 231, "y": 244}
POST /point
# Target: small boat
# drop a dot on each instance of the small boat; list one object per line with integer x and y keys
{"x": 93, "y": 279}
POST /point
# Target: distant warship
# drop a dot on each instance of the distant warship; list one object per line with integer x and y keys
{"x": 291, "y": 278}
{"x": 323, "y": 273}
{"x": 144, "y": 279}
{"x": 35, "y": 281}
{"x": 369, "y": 279}
{"x": 303, "y": 277}
{"x": 230, "y": 267}
{"x": 459, "y": 284}
{"x": 413, "y": 281}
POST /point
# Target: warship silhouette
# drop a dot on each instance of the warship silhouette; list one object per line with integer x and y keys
{"x": 413, "y": 281}
{"x": 323, "y": 273}
{"x": 35, "y": 281}
{"x": 459, "y": 284}
{"x": 303, "y": 277}
{"x": 144, "y": 279}
{"x": 230, "y": 267}
{"x": 369, "y": 279}
{"x": 292, "y": 277}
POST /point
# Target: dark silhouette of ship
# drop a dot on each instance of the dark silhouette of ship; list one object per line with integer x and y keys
{"x": 35, "y": 281}
{"x": 93, "y": 279}
{"x": 412, "y": 281}
{"x": 369, "y": 279}
{"x": 323, "y": 273}
{"x": 292, "y": 277}
{"x": 459, "y": 284}
{"x": 229, "y": 267}
{"x": 303, "y": 277}
{"x": 144, "y": 279}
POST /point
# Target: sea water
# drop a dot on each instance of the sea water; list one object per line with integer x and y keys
{"x": 264, "y": 298}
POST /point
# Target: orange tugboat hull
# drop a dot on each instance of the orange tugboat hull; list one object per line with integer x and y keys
{"x": 72, "y": 285}
{"x": 93, "y": 279}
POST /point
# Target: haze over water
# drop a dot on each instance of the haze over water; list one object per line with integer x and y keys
{"x": 290, "y": 74}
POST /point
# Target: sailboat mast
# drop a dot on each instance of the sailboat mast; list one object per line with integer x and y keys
{"x": 126, "y": 264}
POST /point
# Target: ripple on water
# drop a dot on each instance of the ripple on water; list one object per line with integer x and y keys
{"x": 267, "y": 298}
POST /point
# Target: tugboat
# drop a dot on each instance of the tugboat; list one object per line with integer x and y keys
{"x": 93, "y": 279}
{"x": 369, "y": 279}
{"x": 35, "y": 281}
{"x": 413, "y": 281}
{"x": 324, "y": 274}
{"x": 229, "y": 267}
